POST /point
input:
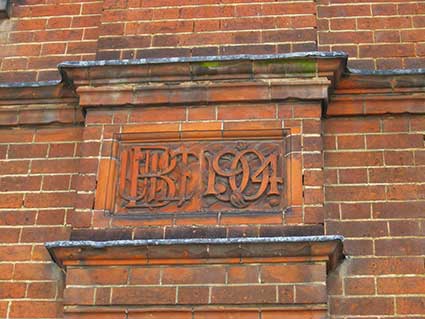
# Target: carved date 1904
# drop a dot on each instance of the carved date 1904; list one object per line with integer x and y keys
{"x": 226, "y": 176}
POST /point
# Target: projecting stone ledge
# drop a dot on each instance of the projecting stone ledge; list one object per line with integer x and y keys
{"x": 304, "y": 75}
{"x": 135, "y": 252}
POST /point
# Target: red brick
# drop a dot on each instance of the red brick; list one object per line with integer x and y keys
{"x": 30, "y": 309}
{"x": 83, "y": 182}
{"x": 27, "y": 151}
{"x": 6, "y": 271}
{"x": 12, "y": 290}
{"x": 42, "y": 290}
{"x": 16, "y": 218}
{"x": 359, "y": 286}
{"x": 362, "y": 229}
{"x": 353, "y": 126}
{"x": 246, "y": 112}
{"x": 88, "y": 149}
{"x": 201, "y": 113}
{"x": 15, "y": 253}
{"x": 18, "y": 183}
{"x": 56, "y": 135}
{"x": 97, "y": 276}
{"x": 9, "y": 235}
{"x": 313, "y": 196}
{"x": 61, "y": 150}
{"x": 350, "y": 159}
{"x": 313, "y": 178}
{"x": 387, "y": 50}
{"x": 355, "y": 211}
{"x": 348, "y": 37}
{"x": 103, "y": 296}
{"x": 243, "y": 274}
{"x": 398, "y": 157}
{"x": 314, "y": 215}
{"x": 405, "y": 228}
{"x": 307, "y": 111}
{"x": 412, "y": 36}
{"x": 44, "y": 234}
{"x": 292, "y": 273}
{"x": 400, "y": 247}
{"x": 51, "y": 217}
{"x": 56, "y": 182}
{"x": 79, "y": 219}
{"x": 384, "y": 23}
{"x": 11, "y": 200}
{"x": 54, "y": 166}
{"x": 193, "y": 275}
{"x": 384, "y": 9}
{"x": 144, "y": 276}
{"x": 351, "y": 142}
{"x": 393, "y": 141}
{"x": 353, "y": 176}
{"x": 399, "y": 210}
{"x": 3, "y": 308}
{"x": 363, "y": 306}
{"x": 158, "y": 115}
{"x": 49, "y": 200}
{"x": 386, "y": 266}
{"x": 79, "y": 296}
{"x": 401, "y": 285}
{"x": 342, "y": 24}
{"x": 395, "y": 124}
{"x": 243, "y": 294}
{"x": 193, "y": 295}
{"x": 310, "y": 294}
{"x": 36, "y": 271}
{"x": 344, "y": 10}
{"x": 387, "y": 36}
{"x": 16, "y": 136}
{"x": 410, "y": 305}
{"x": 396, "y": 175}
{"x": 144, "y": 295}
{"x": 403, "y": 192}
{"x": 354, "y": 193}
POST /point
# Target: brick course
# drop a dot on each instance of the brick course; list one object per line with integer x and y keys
{"x": 40, "y": 34}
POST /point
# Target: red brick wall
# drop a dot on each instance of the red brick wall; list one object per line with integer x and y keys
{"x": 136, "y": 29}
{"x": 376, "y": 34}
{"x": 41, "y": 34}
{"x": 39, "y": 170}
{"x": 374, "y": 196}
{"x": 48, "y": 181}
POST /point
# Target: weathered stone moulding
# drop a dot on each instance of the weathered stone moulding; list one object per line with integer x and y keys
{"x": 261, "y": 277}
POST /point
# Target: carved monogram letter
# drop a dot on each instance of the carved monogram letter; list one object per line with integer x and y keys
{"x": 154, "y": 176}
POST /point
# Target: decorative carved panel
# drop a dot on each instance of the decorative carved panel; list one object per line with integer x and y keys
{"x": 201, "y": 172}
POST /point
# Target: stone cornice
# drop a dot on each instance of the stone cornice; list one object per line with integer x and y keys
{"x": 38, "y": 104}
{"x": 134, "y": 252}
{"x": 195, "y": 80}
{"x": 379, "y": 92}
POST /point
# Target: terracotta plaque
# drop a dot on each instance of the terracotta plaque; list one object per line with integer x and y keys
{"x": 201, "y": 175}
